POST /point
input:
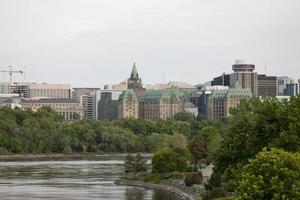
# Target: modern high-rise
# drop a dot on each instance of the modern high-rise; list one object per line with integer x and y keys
{"x": 282, "y": 84}
{"x": 292, "y": 89}
{"x": 107, "y": 104}
{"x": 267, "y": 85}
{"x": 224, "y": 80}
{"x": 244, "y": 75}
{"x": 87, "y": 99}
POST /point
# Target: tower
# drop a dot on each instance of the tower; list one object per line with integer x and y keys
{"x": 243, "y": 73}
{"x": 135, "y": 82}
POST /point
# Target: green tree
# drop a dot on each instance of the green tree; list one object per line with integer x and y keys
{"x": 273, "y": 174}
{"x": 167, "y": 160}
{"x": 184, "y": 116}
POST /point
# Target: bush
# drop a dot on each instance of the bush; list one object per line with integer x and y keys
{"x": 193, "y": 178}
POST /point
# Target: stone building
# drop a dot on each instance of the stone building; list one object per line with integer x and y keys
{"x": 128, "y": 106}
{"x": 137, "y": 102}
{"x": 68, "y": 108}
{"x": 135, "y": 82}
{"x": 220, "y": 101}
{"x": 161, "y": 104}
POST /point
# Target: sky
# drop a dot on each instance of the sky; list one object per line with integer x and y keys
{"x": 89, "y": 43}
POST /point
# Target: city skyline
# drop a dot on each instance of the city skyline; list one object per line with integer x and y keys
{"x": 93, "y": 43}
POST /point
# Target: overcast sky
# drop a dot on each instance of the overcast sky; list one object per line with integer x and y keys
{"x": 94, "y": 42}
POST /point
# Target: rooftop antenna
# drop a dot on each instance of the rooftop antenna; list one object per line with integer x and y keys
{"x": 265, "y": 69}
{"x": 24, "y": 72}
{"x": 163, "y": 78}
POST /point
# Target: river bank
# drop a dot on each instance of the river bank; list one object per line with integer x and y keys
{"x": 166, "y": 188}
{"x": 66, "y": 157}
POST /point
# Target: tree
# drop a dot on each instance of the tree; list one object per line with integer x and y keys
{"x": 198, "y": 149}
{"x": 256, "y": 124}
{"x": 273, "y": 174}
{"x": 184, "y": 116}
{"x": 167, "y": 160}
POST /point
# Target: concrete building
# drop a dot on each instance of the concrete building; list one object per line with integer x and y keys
{"x": 87, "y": 99}
{"x": 29, "y": 89}
{"x": 11, "y": 100}
{"x": 128, "y": 106}
{"x": 282, "y": 84}
{"x": 292, "y": 89}
{"x": 53, "y": 91}
{"x": 267, "y": 85}
{"x": 244, "y": 75}
{"x": 224, "y": 80}
{"x": 220, "y": 101}
{"x": 107, "y": 104}
{"x": 121, "y": 86}
{"x": 68, "y": 108}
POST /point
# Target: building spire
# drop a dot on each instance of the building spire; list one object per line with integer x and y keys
{"x": 134, "y": 74}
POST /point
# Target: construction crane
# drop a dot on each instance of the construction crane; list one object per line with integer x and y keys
{"x": 11, "y": 72}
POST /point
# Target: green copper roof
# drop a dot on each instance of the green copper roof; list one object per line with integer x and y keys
{"x": 127, "y": 95}
{"x": 219, "y": 94}
{"x": 156, "y": 95}
{"x": 237, "y": 91}
{"x": 134, "y": 74}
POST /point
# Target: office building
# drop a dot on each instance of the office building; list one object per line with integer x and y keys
{"x": 224, "y": 80}
{"x": 244, "y": 75}
{"x": 267, "y": 85}
{"x": 282, "y": 82}
{"x": 68, "y": 108}
{"x": 87, "y": 99}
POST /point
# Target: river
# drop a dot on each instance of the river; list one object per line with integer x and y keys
{"x": 78, "y": 179}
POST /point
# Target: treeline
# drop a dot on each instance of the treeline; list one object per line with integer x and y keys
{"x": 259, "y": 155}
{"x": 45, "y": 131}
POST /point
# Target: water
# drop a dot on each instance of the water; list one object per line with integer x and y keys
{"x": 88, "y": 180}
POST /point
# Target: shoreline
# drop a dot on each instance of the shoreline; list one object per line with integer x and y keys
{"x": 181, "y": 194}
{"x": 66, "y": 157}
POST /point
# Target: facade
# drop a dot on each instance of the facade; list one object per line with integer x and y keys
{"x": 244, "y": 75}
{"x": 37, "y": 90}
{"x": 292, "y": 89}
{"x": 267, "y": 85}
{"x": 87, "y": 99}
{"x": 282, "y": 84}
{"x": 224, "y": 80}
{"x": 128, "y": 106}
{"x": 137, "y": 102}
{"x": 107, "y": 106}
{"x": 161, "y": 104}
{"x": 220, "y": 101}
{"x": 53, "y": 91}
{"x": 68, "y": 108}
{"x": 121, "y": 86}
{"x": 11, "y": 100}
{"x": 88, "y": 102}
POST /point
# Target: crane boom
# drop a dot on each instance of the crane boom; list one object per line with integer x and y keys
{"x": 11, "y": 72}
